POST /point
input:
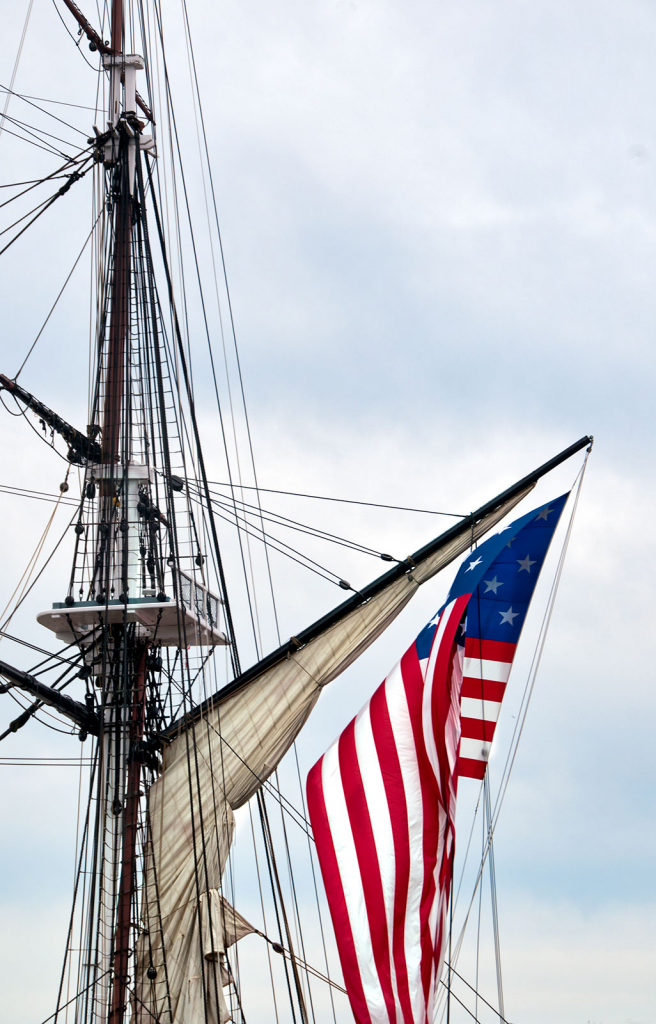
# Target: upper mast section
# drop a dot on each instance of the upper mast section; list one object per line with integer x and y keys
{"x": 117, "y": 26}
{"x": 122, "y": 69}
{"x": 119, "y": 155}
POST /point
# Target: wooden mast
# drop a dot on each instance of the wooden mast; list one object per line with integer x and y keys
{"x": 122, "y": 933}
{"x": 128, "y": 694}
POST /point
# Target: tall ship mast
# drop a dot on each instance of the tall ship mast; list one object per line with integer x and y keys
{"x": 142, "y": 652}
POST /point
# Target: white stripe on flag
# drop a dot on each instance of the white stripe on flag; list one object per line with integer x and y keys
{"x": 477, "y": 750}
{"x": 349, "y": 870}
{"x": 486, "y": 710}
{"x": 404, "y": 740}
{"x": 379, "y": 814}
{"x": 481, "y": 668}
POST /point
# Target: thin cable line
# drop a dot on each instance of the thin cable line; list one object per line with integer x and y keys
{"x": 42, "y": 99}
{"x": 70, "y": 162}
{"x": 347, "y": 501}
{"x": 478, "y": 994}
{"x": 46, "y": 112}
{"x": 16, "y": 63}
{"x": 293, "y": 524}
{"x": 42, "y": 210}
{"x": 37, "y": 133}
{"x": 75, "y": 41}
{"x": 47, "y": 148}
{"x": 22, "y": 492}
{"x": 61, "y": 292}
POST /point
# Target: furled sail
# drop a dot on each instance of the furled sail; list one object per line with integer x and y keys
{"x": 187, "y": 925}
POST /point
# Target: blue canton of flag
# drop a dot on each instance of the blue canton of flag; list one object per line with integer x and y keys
{"x": 495, "y": 616}
{"x": 497, "y": 580}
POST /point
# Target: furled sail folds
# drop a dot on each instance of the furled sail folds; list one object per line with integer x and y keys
{"x": 187, "y": 924}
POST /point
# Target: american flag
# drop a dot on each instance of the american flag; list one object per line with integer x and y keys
{"x": 382, "y": 798}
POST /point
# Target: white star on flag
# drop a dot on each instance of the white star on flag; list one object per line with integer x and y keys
{"x": 508, "y": 616}
{"x": 472, "y": 565}
{"x": 492, "y": 585}
{"x": 543, "y": 514}
{"x": 525, "y": 563}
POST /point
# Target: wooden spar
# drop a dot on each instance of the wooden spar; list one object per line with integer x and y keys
{"x": 87, "y": 28}
{"x": 82, "y": 448}
{"x": 72, "y": 709}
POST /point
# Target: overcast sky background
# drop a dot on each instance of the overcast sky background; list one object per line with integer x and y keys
{"x": 440, "y": 228}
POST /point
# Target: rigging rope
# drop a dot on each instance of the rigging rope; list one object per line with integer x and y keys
{"x": 293, "y": 524}
{"x": 36, "y": 133}
{"x": 319, "y": 569}
{"x": 16, "y": 63}
{"x": 279, "y": 906}
{"x": 190, "y": 49}
{"x": 48, "y": 113}
{"x": 493, "y": 895}
{"x": 346, "y": 501}
{"x": 75, "y": 41}
{"x": 40, "y": 181}
{"x": 43, "y": 207}
{"x": 28, "y": 571}
{"x": 61, "y": 292}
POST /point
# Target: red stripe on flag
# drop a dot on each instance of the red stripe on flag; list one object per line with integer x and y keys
{"x": 483, "y": 689}
{"x": 337, "y": 903}
{"x": 413, "y": 681}
{"x": 442, "y": 692}
{"x": 478, "y": 729}
{"x": 489, "y": 650}
{"x": 470, "y": 769}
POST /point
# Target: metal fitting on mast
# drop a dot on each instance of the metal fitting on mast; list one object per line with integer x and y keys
{"x": 122, "y": 68}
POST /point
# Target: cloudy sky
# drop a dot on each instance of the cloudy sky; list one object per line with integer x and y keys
{"x": 439, "y": 225}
